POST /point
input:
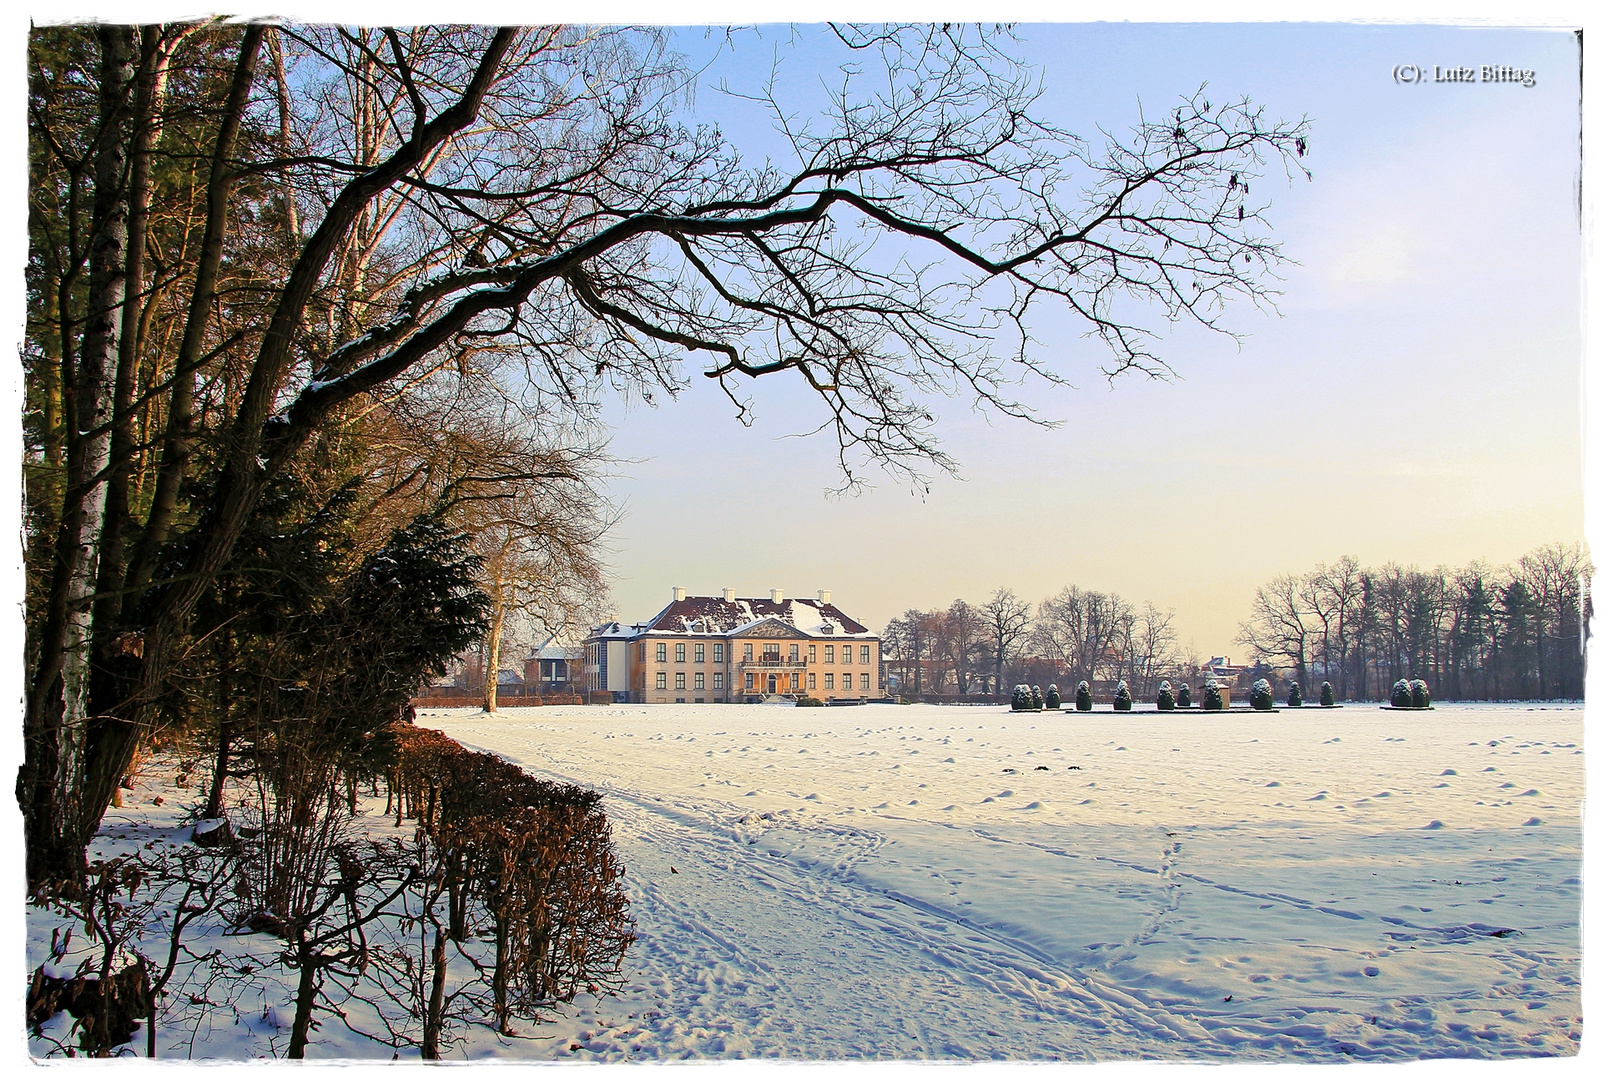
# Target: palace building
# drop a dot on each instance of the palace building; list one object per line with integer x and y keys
{"x": 725, "y": 648}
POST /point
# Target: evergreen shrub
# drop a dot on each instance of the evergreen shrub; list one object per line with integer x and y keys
{"x": 1164, "y": 697}
{"x": 1052, "y": 698}
{"x": 1262, "y": 695}
{"x": 1401, "y": 695}
{"x": 1326, "y": 694}
{"x": 1212, "y": 700}
{"x": 1084, "y": 700}
{"x": 1021, "y": 698}
{"x": 1420, "y": 693}
{"x": 1038, "y": 700}
{"x": 1183, "y": 695}
{"x": 1123, "y": 702}
{"x": 1295, "y": 700}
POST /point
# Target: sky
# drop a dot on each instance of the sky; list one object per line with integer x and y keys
{"x": 1417, "y": 399}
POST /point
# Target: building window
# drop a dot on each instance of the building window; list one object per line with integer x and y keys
{"x": 865, "y": 680}
{"x": 812, "y": 680}
{"x": 848, "y": 680}
{"x": 697, "y": 680}
{"x": 827, "y": 684}
{"x": 865, "y": 654}
{"x": 792, "y": 681}
{"x": 720, "y": 679}
{"x": 831, "y": 654}
{"x": 658, "y": 652}
{"x": 773, "y": 651}
{"x": 748, "y": 650}
{"x": 812, "y": 654}
{"x": 748, "y": 681}
{"x": 681, "y": 680}
{"x": 720, "y": 653}
{"x": 681, "y": 652}
{"x": 792, "y": 654}
{"x": 698, "y": 653}
{"x": 658, "y": 680}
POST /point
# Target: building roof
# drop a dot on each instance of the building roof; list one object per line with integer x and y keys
{"x": 713, "y": 616}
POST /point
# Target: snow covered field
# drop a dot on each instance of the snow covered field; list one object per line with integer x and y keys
{"x": 964, "y": 883}
{"x": 954, "y": 883}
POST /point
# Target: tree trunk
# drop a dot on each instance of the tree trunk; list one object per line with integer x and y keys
{"x": 494, "y": 652}
{"x": 430, "y": 1044}
{"x": 58, "y": 701}
{"x": 306, "y": 995}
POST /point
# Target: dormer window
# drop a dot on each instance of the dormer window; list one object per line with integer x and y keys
{"x": 826, "y": 628}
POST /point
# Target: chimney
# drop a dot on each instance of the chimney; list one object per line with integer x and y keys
{"x": 776, "y": 596}
{"x": 678, "y": 593}
{"x": 729, "y": 594}
{"x": 823, "y": 596}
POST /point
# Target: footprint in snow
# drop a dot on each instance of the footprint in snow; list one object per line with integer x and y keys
{"x": 1041, "y": 768}
{"x": 1449, "y": 772}
{"x": 1275, "y": 784}
{"x": 1319, "y": 797}
{"x": 949, "y": 761}
{"x": 814, "y": 796}
{"x": 1007, "y": 793}
{"x": 1532, "y": 791}
{"x": 1535, "y": 821}
{"x": 1436, "y": 824}
{"x": 1034, "y": 805}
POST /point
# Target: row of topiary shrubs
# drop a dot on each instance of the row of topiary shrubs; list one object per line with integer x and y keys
{"x": 534, "y": 857}
{"x": 1027, "y": 698}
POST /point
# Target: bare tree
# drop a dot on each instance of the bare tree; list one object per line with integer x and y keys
{"x": 1008, "y": 622}
{"x": 535, "y": 195}
{"x": 1279, "y": 626}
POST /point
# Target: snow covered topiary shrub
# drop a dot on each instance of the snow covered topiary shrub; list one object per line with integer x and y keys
{"x": 1262, "y": 695}
{"x": 1123, "y": 701}
{"x": 1295, "y": 701}
{"x": 1084, "y": 699}
{"x": 1021, "y": 698}
{"x": 1212, "y": 700}
{"x": 1038, "y": 701}
{"x": 1401, "y": 695}
{"x": 1164, "y": 698}
{"x": 810, "y": 703}
{"x": 1183, "y": 695}
{"x": 1052, "y": 698}
{"x": 1325, "y": 694}
{"x": 1420, "y": 693}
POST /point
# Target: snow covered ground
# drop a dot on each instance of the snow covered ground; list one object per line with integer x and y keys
{"x": 965, "y": 883}
{"x": 953, "y": 883}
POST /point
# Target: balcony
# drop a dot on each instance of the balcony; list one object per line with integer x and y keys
{"x": 770, "y": 662}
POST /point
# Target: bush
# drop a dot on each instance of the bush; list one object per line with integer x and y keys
{"x": 1123, "y": 702}
{"x": 1212, "y": 700}
{"x": 1262, "y": 695}
{"x": 1183, "y": 696}
{"x": 1420, "y": 693}
{"x": 1084, "y": 699}
{"x": 1021, "y": 698}
{"x": 1401, "y": 695}
{"x": 810, "y": 703}
{"x": 1325, "y": 694}
{"x": 1164, "y": 698}
{"x": 1052, "y": 698}
{"x": 1295, "y": 701}
{"x": 1038, "y": 701}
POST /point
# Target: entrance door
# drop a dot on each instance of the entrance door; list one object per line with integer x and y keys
{"x": 770, "y": 684}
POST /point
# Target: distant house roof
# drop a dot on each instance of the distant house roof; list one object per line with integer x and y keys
{"x": 616, "y": 630}
{"x": 713, "y": 615}
{"x": 551, "y": 650}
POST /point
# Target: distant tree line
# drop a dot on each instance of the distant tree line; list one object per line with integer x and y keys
{"x": 1077, "y": 634}
{"x": 1479, "y": 632}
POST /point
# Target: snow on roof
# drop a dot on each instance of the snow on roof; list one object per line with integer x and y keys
{"x": 715, "y": 616}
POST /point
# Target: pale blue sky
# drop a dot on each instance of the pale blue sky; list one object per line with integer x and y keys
{"x": 1418, "y": 400}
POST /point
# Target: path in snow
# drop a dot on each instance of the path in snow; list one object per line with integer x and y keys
{"x": 931, "y": 882}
